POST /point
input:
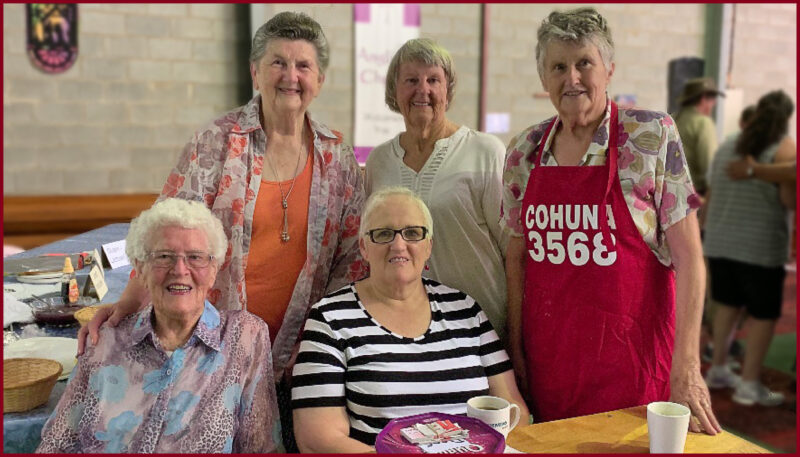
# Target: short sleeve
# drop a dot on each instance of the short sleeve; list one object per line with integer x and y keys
{"x": 515, "y": 178}
{"x": 318, "y": 379}
{"x": 675, "y": 196}
{"x": 494, "y": 358}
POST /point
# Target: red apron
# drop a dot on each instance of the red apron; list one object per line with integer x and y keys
{"x": 598, "y": 317}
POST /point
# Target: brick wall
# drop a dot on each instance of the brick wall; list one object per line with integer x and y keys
{"x": 147, "y": 76}
{"x": 765, "y": 52}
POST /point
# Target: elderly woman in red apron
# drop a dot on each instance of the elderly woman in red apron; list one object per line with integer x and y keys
{"x": 604, "y": 269}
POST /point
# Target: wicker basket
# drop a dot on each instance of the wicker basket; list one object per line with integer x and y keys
{"x": 83, "y": 316}
{"x": 27, "y": 383}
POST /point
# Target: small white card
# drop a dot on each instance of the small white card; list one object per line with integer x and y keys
{"x": 95, "y": 283}
{"x": 115, "y": 254}
{"x": 97, "y": 260}
{"x": 452, "y": 447}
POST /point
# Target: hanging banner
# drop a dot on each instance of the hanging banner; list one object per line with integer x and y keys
{"x": 380, "y": 31}
{"x": 52, "y": 31}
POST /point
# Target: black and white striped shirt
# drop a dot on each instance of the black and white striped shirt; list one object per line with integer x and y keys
{"x": 348, "y": 359}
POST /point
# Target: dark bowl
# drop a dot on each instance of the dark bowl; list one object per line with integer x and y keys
{"x": 57, "y": 315}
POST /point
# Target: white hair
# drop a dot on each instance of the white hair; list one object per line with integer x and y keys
{"x": 380, "y": 196}
{"x": 175, "y": 212}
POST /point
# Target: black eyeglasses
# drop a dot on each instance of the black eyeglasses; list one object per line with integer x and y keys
{"x": 168, "y": 259}
{"x": 386, "y": 235}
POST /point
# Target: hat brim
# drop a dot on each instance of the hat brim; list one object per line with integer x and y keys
{"x": 684, "y": 98}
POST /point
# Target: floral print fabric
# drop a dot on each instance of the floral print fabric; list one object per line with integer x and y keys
{"x": 652, "y": 171}
{"x": 216, "y": 393}
{"x": 222, "y": 166}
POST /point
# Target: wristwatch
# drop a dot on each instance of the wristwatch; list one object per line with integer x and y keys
{"x": 750, "y": 171}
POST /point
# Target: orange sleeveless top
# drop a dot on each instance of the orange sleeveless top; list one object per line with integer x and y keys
{"x": 272, "y": 265}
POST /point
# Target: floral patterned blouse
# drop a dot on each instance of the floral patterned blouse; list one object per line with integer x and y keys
{"x": 214, "y": 394}
{"x": 652, "y": 171}
{"x": 222, "y": 166}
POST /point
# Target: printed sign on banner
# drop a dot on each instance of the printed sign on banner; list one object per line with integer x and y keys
{"x": 380, "y": 31}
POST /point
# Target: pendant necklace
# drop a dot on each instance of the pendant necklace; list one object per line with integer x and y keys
{"x": 284, "y": 199}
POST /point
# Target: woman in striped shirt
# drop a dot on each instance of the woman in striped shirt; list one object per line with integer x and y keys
{"x": 394, "y": 344}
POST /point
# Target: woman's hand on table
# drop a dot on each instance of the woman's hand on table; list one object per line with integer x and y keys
{"x": 690, "y": 389}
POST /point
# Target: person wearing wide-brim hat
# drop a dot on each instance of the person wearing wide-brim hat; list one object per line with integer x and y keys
{"x": 695, "y": 88}
{"x": 696, "y": 127}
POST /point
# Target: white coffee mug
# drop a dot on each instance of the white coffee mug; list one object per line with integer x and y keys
{"x": 667, "y": 424}
{"x": 495, "y": 412}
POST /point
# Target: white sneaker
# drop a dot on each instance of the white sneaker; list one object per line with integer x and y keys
{"x": 721, "y": 377}
{"x": 752, "y": 392}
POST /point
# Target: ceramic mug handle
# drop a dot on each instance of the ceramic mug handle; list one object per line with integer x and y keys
{"x": 514, "y": 413}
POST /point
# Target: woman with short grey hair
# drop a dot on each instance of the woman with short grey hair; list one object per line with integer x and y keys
{"x": 582, "y": 25}
{"x": 289, "y": 25}
{"x": 179, "y": 376}
{"x": 286, "y": 187}
{"x": 604, "y": 267}
{"x": 454, "y": 169}
{"x": 172, "y": 211}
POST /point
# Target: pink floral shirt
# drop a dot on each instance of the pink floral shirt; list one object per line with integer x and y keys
{"x": 222, "y": 166}
{"x": 652, "y": 171}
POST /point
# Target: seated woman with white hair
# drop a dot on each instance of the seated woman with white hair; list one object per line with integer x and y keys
{"x": 394, "y": 344}
{"x": 178, "y": 376}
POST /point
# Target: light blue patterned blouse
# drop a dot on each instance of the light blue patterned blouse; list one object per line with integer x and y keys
{"x": 214, "y": 394}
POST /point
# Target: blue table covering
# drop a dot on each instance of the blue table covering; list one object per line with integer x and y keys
{"x": 22, "y": 431}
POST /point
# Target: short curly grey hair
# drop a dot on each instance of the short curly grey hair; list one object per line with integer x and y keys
{"x": 289, "y": 25}
{"x": 380, "y": 196}
{"x": 174, "y": 212}
{"x": 422, "y": 50}
{"x": 580, "y": 25}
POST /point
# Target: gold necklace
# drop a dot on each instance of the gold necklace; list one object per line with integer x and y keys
{"x": 284, "y": 199}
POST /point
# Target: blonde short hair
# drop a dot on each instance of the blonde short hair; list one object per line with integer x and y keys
{"x": 422, "y": 50}
{"x": 380, "y": 196}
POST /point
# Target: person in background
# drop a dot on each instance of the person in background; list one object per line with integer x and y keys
{"x": 735, "y": 349}
{"x": 177, "y": 376}
{"x": 747, "y": 245}
{"x": 394, "y": 344}
{"x": 777, "y": 173}
{"x": 456, "y": 171}
{"x": 696, "y": 128}
{"x": 604, "y": 268}
{"x": 288, "y": 191}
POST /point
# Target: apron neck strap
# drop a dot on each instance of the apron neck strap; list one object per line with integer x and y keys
{"x": 611, "y": 163}
{"x": 612, "y": 153}
{"x": 538, "y": 154}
